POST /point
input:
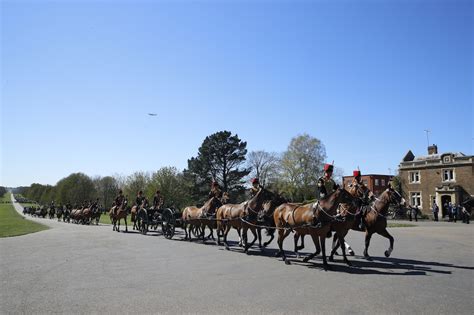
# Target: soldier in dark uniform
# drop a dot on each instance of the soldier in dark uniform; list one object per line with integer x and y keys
{"x": 119, "y": 200}
{"x": 255, "y": 187}
{"x": 140, "y": 199}
{"x": 158, "y": 200}
{"x": 215, "y": 191}
{"x": 357, "y": 181}
{"x": 326, "y": 187}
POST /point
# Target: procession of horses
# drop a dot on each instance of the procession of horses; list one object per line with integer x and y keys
{"x": 266, "y": 210}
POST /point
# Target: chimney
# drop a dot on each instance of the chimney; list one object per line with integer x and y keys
{"x": 433, "y": 149}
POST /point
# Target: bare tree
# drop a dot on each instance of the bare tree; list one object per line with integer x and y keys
{"x": 263, "y": 165}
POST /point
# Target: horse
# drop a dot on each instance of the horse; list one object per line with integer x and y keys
{"x": 118, "y": 213}
{"x": 193, "y": 217}
{"x": 59, "y": 213}
{"x": 67, "y": 214}
{"x": 376, "y": 219}
{"x": 96, "y": 213}
{"x": 250, "y": 217}
{"x": 51, "y": 212}
{"x": 265, "y": 218}
{"x": 301, "y": 218}
{"x": 349, "y": 211}
{"x": 134, "y": 212}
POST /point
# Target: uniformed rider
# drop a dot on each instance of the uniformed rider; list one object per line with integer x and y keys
{"x": 141, "y": 199}
{"x": 255, "y": 187}
{"x": 215, "y": 191}
{"x": 158, "y": 200}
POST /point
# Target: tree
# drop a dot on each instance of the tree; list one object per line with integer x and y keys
{"x": 107, "y": 188}
{"x": 301, "y": 166}
{"x": 134, "y": 183}
{"x": 76, "y": 188}
{"x": 220, "y": 158}
{"x": 171, "y": 184}
{"x": 3, "y": 191}
{"x": 263, "y": 165}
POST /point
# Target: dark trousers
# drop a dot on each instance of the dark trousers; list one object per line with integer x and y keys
{"x": 435, "y": 214}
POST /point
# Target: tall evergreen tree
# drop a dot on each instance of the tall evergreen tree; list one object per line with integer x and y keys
{"x": 219, "y": 158}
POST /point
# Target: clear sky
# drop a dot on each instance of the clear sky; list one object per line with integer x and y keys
{"x": 78, "y": 79}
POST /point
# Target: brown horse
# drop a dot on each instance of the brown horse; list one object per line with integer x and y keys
{"x": 375, "y": 218}
{"x": 250, "y": 217}
{"x": 194, "y": 217}
{"x": 118, "y": 213}
{"x": 348, "y": 211}
{"x": 133, "y": 213}
{"x": 301, "y": 218}
{"x": 265, "y": 218}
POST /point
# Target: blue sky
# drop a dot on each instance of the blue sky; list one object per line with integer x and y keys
{"x": 78, "y": 79}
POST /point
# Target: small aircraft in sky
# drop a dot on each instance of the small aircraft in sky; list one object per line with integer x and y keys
{"x": 152, "y": 114}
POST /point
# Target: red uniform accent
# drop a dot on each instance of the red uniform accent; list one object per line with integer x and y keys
{"x": 328, "y": 167}
{"x": 356, "y": 173}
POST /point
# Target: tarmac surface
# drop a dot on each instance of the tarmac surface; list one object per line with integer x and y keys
{"x": 78, "y": 269}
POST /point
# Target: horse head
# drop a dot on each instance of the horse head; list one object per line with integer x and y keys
{"x": 210, "y": 206}
{"x": 270, "y": 206}
{"x": 254, "y": 206}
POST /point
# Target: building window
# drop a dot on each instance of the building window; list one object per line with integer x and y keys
{"x": 415, "y": 199}
{"x": 448, "y": 175}
{"x": 446, "y": 159}
{"x": 376, "y": 182}
{"x": 414, "y": 177}
{"x": 364, "y": 181}
{"x": 383, "y": 182}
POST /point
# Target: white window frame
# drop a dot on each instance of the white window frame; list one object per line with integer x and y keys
{"x": 376, "y": 182}
{"x": 383, "y": 183}
{"x": 412, "y": 179}
{"x": 453, "y": 177}
{"x": 412, "y": 195}
{"x": 447, "y": 159}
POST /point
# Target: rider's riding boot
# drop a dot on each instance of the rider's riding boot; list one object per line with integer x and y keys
{"x": 361, "y": 224}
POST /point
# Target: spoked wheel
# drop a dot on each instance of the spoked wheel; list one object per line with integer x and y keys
{"x": 168, "y": 223}
{"x": 142, "y": 221}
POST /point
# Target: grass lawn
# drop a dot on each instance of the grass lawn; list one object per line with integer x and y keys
{"x": 394, "y": 225}
{"x": 13, "y": 224}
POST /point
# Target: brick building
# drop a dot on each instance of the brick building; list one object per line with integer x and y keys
{"x": 375, "y": 182}
{"x": 440, "y": 178}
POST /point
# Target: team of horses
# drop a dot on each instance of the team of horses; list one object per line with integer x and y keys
{"x": 272, "y": 212}
{"x": 79, "y": 215}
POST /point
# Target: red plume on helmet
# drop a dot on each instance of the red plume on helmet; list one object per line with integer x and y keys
{"x": 254, "y": 180}
{"x": 356, "y": 173}
{"x": 328, "y": 167}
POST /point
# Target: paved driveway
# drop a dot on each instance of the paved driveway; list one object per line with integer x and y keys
{"x": 90, "y": 269}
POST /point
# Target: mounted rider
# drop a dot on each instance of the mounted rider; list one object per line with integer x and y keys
{"x": 118, "y": 201}
{"x": 215, "y": 191}
{"x": 141, "y": 199}
{"x": 357, "y": 182}
{"x": 158, "y": 200}
{"x": 255, "y": 187}
{"x": 326, "y": 186}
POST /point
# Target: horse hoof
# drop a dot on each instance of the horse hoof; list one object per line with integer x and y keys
{"x": 336, "y": 253}
{"x": 368, "y": 257}
{"x": 227, "y": 248}
{"x": 387, "y": 254}
{"x": 331, "y": 258}
{"x": 277, "y": 254}
{"x": 348, "y": 263}
{"x": 327, "y": 267}
{"x": 351, "y": 253}
{"x": 306, "y": 259}
{"x": 287, "y": 262}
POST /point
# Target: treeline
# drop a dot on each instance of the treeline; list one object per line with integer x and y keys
{"x": 3, "y": 191}
{"x": 222, "y": 157}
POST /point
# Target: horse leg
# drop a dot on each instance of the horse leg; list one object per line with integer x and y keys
{"x": 282, "y": 234}
{"x": 335, "y": 246}
{"x": 240, "y": 237}
{"x": 126, "y": 225}
{"x": 322, "y": 241}
{"x": 259, "y": 234}
{"x": 203, "y": 233}
{"x": 385, "y": 234}
{"x": 254, "y": 233}
{"x": 343, "y": 248}
{"x": 227, "y": 229}
{"x": 244, "y": 238}
{"x": 295, "y": 238}
{"x": 316, "y": 245}
{"x": 368, "y": 235}
{"x": 302, "y": 243}
{"x": 272, "y": 236}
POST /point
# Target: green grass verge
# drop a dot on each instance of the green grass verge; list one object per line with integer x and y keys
{"x": 13, "y": 224}
{"x": 395, "y": 225}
